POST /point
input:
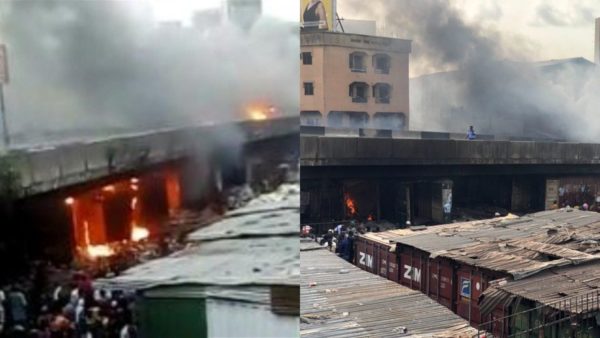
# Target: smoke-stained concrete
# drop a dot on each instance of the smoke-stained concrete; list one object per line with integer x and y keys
{"x": 83, "y": 68}
{"x": 490, "y": 91}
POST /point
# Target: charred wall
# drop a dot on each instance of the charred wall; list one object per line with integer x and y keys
{"x": 421, "y": 200}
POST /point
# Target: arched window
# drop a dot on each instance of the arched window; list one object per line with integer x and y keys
{"x": 381, "y": 63}
{"x": 357, "y": 62}
{"x": 359, "y": 92}
{"x": 382, "y": 92}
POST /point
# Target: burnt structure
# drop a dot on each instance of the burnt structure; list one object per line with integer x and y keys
{"x": 76, "y": 198}
{"x": 432, "y": 181}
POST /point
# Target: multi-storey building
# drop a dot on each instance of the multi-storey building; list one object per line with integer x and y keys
{"x": 354, "y": 81}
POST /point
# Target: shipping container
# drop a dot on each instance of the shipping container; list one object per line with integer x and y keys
{"x": 455, "y": 263}
{"x": 377, "y": 255}
{"x": 441, "y": 282}
{"x": 413, "y": 267}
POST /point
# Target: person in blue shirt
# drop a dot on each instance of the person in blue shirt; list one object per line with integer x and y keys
{"x": 471, "y": 133}
{"x": 347, "y": 247}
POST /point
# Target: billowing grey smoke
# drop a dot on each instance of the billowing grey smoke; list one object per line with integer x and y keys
{"x": 496, "y": 95}
{"x": 96, "y": 67}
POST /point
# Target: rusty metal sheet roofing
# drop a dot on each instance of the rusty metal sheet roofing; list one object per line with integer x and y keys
{"x": 255, "y": 245}
{"x": 276, "y": 213}
{"x": 340, "y": 300}
{"x": 272, "y": 260}
{"x": 432, "y": 242}
{"x": 557, "y": 287}
{"x": 519, "y": 246}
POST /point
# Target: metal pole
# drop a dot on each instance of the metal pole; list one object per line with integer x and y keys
{"x": 4, "y": 122}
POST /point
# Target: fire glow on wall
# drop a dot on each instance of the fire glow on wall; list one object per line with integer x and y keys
{"x": 119, "y": 212}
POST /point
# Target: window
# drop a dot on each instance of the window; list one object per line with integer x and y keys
{"x": 357, "y": 62}
{"x": 358, "y": 92}
{"x": 309, "y": 88}
{"x": 306, "y": 58}
{"x": 381, "y": 92}
{"x": 381, "y": 63}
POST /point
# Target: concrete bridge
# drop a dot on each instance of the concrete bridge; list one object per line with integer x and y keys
{"x": 412, "y": 178}
{"x": 57, "y": 201}
{"x": 354, "y": 151}
{"x": 45, "y": 169}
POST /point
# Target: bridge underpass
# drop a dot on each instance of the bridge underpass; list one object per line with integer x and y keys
{"x": 74, "y": 199}
{"x": 435, "y": 181}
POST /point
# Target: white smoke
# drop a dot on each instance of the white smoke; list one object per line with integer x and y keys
{"x": 97, "y": 67}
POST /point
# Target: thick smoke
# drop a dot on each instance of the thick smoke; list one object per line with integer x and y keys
{"x": 577, "y": 13}
{"x": 490, "y": 90}
{"x": 97, "y": 67}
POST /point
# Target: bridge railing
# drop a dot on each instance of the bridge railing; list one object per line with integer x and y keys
{"x": 410, "y": 134}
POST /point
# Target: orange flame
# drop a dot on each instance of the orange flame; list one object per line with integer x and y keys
{"x": 257, "y": 115}
{"x": 95, "y": 251}
{"x": 260, "y": 110}
{"x": 350, "y": 205}
{"x": 138, "y": 233}
{"x": 102, "y": 250}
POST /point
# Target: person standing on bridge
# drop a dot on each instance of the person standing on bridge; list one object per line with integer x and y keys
{"x": 471, "y": 133}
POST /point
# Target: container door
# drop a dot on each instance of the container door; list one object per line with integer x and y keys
{"x": 382, "y": 258}
{"x": 404, "y": 269}
{"x": 416, "y": 273}
{"x": 359, "y": 252}
{"x": 392, "y": 267}
{"x": 445, "y": 283}
{"x": 364, "y": 256}
{"x": 433, "y": 277}
{"x": 464, "y": 294}
{"x": 477, "y": 289}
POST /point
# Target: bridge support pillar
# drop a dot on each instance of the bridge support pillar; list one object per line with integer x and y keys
{"x": 200, "y": 180}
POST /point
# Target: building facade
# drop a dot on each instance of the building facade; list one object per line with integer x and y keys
{"x": 354, "y": 81}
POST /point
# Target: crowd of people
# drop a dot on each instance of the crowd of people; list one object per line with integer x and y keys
{"x": 37, "y": 308}
{"x": 340, "y": 240}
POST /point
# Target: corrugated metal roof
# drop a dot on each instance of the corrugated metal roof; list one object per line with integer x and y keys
{"x": 557, "y": 286}
{"x": 519, "y": 246}
{"x": 340, "y": 300}
{"x": 254, "y": 245}
{"x": 432, "y": 242}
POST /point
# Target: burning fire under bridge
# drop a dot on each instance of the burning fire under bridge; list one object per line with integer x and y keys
{"x": 426, "y": 179}
{"x": 85, "y": 200}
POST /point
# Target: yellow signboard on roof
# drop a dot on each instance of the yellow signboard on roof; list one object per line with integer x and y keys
{"x": 317, "y": 15}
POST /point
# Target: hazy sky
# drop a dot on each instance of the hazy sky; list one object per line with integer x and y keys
{"x": 553, "y": 28}
{"x": 181, "y": 9}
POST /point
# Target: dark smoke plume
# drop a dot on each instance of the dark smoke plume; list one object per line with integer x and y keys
{"x": 95, "y": 67}
{"x": 486, "y": 88}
